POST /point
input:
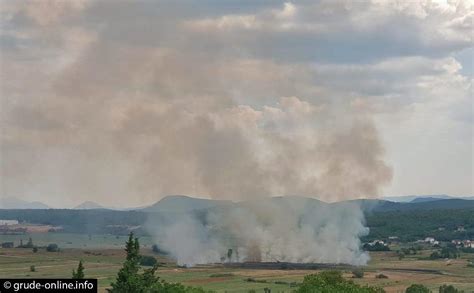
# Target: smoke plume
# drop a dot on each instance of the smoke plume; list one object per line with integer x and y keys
{"x": 133, "y": 113}
{"x": 288, "y": 229}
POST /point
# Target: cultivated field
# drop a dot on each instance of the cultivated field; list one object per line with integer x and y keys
{"x": 103, "y": 262}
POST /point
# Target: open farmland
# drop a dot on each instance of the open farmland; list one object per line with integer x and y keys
{"x": 103, "y": 263}
{"x": 73, "y": 240}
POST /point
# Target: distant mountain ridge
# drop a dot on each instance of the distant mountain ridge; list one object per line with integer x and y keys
{"x": 178, "y": 204}
{"x": 89, "y": 205}
{"x": 183, "y": 203}
{"x": 428, "y": 197}
{"x": 384, "y": 206}
{"x": 15, "y": 203}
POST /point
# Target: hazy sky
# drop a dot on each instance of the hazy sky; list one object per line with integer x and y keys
{"x": 122, "y": 102}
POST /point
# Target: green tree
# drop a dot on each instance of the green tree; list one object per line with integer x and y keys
{"x": 332, "y": 282}
{"x": 417, "y": 288}
{"x": 128, "y": 279}
{"x": 131, "y": 280}
{"x": 149, "y": 261}
{"x": 229, "y": 254}
{"x": 156, "y": 249}
{"x": 53, "y": 247}
{"x": 79, "y": 274}
{"x": 449, "y": 289}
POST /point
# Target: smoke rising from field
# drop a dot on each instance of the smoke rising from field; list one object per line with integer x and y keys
{"x": 227, "y": 150}
{"x": 277, "y": 230}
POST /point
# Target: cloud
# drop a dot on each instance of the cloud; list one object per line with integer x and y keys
{"x": 323, "y": 31}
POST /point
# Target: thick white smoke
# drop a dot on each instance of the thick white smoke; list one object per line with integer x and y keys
{"x": 285, "y": 230}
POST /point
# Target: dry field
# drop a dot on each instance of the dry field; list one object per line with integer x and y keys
{"x": 104, "y": 263}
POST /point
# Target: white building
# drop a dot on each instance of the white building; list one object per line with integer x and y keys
{"x": 430, "y": 240}
{"x": 8, "y": 222}
{"x": 456, "y": 242}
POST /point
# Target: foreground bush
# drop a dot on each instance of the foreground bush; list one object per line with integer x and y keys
{"x": 449, "y": 289}
{"x": 333, "y": 282}
{"x": 417, "y": 288}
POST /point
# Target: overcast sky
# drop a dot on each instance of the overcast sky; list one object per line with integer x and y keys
{"x": 123, "y": 102}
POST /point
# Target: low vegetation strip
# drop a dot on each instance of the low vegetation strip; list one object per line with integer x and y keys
{"x": 287, "y": 266}
{"x": 426, "y": 271}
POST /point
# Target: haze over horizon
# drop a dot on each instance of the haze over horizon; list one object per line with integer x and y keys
{"x": 13, "y": 203}
{"x": 123, "y": 103}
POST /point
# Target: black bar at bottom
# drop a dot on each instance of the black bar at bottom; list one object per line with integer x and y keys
{"x": 48, "y": 285}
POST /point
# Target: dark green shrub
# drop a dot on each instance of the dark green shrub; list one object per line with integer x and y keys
{"x": 445, "y": 252}
{"x": 52, "y": 247}
{"x": 332, "y": 282}
{"x": 149, "y": 261}
{"x": 435, "y": 255}
{"x": 358, "y": 273}
{"x": 221, "y": 275}
{"x": 417, "y": 288}
{"x": 449, "y": 289}
{"x": 156, "y": 249}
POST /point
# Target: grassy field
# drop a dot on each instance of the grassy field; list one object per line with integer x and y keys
{"x": 102, "y": 262}
{"x": 67, "y": 240}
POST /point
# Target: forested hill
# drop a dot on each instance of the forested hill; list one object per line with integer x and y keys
{"x": 411, "y": 225}
{"x": 374, "y": 205}
{"x": 408, "y": 221}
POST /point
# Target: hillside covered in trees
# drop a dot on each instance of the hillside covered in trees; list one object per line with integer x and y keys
{"x": 443, "y": 219}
